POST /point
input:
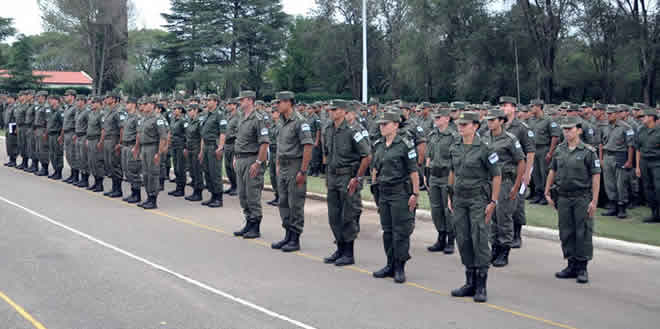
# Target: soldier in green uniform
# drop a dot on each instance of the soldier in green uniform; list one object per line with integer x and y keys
{"x": 395, "y": 172}
{"x": 618, "y": 152}
{"x": 589, "y": 133}
{"x": 648, "y": 162}
{"x": 441, "y": 138}
{"x": 41, "y": 142}
{"x": 347, "y": 151}
{"x": 511, "y": 160}
{"x": 315, "y": 124}
{"x": 11, "y": 138}
{"x": 233, "y": 116}
{"x": 177, "y": 142}
{"x": 131, "y": 167}
{"x": 110, "y": 140}
{"x": 30, "y": 144}
{"x": 213, "y": 128}
{"x": 474, "y": 181}
{"x": 55, "y": 138}
{"x": 294, "y": 152}
{"x": 546, "y": 132}
{"x": 151, "y": 145}
{"x": 68, "y": 131}
{"x": 162, "y": 112}
{"x": 250, "y": 155}
{"x": 576, "y": 167}
{"x": 80, "y": 139}
{"x": 193, "y": 142}
{"x": 274, "y": 130}
{"x": 94, "y": 147}
{"x": 19, "y": 114}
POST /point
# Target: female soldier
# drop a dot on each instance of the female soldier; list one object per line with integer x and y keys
{"x": 577, "y": 168}
{"x": 395, "y": 172}
{"x": 473, "y": 170}
{"x": 512, "y": 164}
{"x": 177, "y": 143}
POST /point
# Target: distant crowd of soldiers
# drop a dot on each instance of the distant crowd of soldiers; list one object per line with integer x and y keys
{"x": 476, "y": 161}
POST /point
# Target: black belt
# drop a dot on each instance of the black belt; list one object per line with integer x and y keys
{"x": 572, "y": 194}
{"x": 129, "y": 143}
{"x": 613, "y": 152}
{"x": 81, "y": 134}
{"x": 148, "y": 144}
{"x": 69, "y": 131}
{"x": 390, "y": 188}
{"x": 244, "y": 155}
{"x": 343, "y": 170}
{"x": 439, "y": 172}
{"x": 93, "y": 137}
{"x": 287, "y": 161}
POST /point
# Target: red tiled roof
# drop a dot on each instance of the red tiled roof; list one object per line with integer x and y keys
{"x": 59, "y": 77}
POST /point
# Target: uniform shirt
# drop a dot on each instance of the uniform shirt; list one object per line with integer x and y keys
{"x": 473, "y": 165}
{"x": 81, "y": 121}
{"x": 213, "y": 125}
{"x": 178, "y": 130}
{"x": 345, "y": 146}
{"x": 130, "y": 125}
{"x": 545, "y": 128}
{"x": 602, "y": 127}
{"x": 112, "y": 122}
{"x": 396, "y": 162}
{"x": 232, "y": 127}
{"x": 412, "y": 131}
{"x": 589, "y": 133}
{"x": 314, "y": 123}
{"x": 29, "y": 114}
{"x": 69, "y": 123}
{"x": 574, "y": 168}
{"x": 94, "y": 124}
{"x": 55, "y": 120}
{"x": 41, "y": 116}
{"x": 152, "y": 129}
{"x": 439, "y": 144}
{"x": 525, "y": 136}
{"x": 19, "y": 113}
{"x": 274, "y": 131}
{"x": 193, "y": 134}
{"x": 294, "y": 133}
{"x": 251, "y": 132}
{"x": 648, "y": 143}
{"x": 620, "y": 137}
{"x": 9, "y": 116}
{"x": 509, "y": 151}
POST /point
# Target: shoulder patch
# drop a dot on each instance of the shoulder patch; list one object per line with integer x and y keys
{"x": 305, "y": 127}
{"x": 420, "y": 129}
{"x": 493, "y": 158}
{"x": 223, "y": 122}
{"x": 630, "y": 132}
{"x": 530, "y": 133}
{"x": 358, "y": 137}
{"x": 597, "y": 163}
{"x": 412, "y": 154}
{"x": 524, "y": 124}
{"x": 408, "y": 142}
{"x": 553, "y": 124}
{"x": 264, "y": 131}
{"x": 160, "y": 122}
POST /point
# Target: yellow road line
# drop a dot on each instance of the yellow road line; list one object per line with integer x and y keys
{"x": 316, "y": 258}
{"x": 22, "y": 312}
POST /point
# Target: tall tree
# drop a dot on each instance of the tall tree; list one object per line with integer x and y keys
{"x": 20, "y": 66}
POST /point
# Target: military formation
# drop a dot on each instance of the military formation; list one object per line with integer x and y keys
{"x": 477, "y": 162}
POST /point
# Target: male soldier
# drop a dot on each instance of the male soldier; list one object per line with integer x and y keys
{"x": 94, "y": 147}
{"x": 347, "y": 151}
{"x": 315, "y": 124}
{"x": 294, "y": 151}
{"x": 441, "y": 138}
{"x": 233, "y": 116}
{"x": 250, "y": 153}
{"x": 193, "y": 142}
{"x": 68, "y": 131}
{"x": 274, "y": 130}
{"x": 415, "y": 133}
{"x": 30, "y": 143}
{"x": 80, "y": 139}
{"x": 618, "y": 151}
{"x": 166, "y": 160}
{"x": 426, "y": 117}
{"x": 648, "y": 162}
{"x": 547, "y": 133}
{"x": 131, "y": 166}
{"x": 526, "y": 138}
{"x": 151, "y": 145}
{"x": 39, "y": 122}
{"x": 41, "y": 116}
{"x": 177, "y": 142}
{"x": 213, "y": 130}
{"x": 11, "y": 137}
{"x": 589, "y": 135}
{"x": 3, "y": 106}
{"x": 19, "y": 114}
{"x": 55, "y": 138}
{"x": 587, "y": 112}
{"x": 109, "y": 140}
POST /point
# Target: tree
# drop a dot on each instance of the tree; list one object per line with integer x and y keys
{"x": 20, "y": 66}
{"x": 6, "y": 28}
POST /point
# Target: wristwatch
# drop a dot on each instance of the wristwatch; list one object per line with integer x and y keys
{"x": 493, "y": 201}
{"x": 258, "y": 162}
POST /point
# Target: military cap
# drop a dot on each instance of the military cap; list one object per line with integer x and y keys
{"x": 612, "y": 109}
{"x": 624, "y": 108}
{"x": 53, "y": 96}
{"x": 262, "y": 103}
{"x": 373, "y": 101}
{"x": 341, "y": 104}
{"x": 285, "y": 95}
{"x": 96, "y": 99}
{"x": 233, "y": 101}
{"x": 42, "y": 93}
{"x": 131, "y": 100}
{"x": 425, "y": 104}
{"x": 495, "y": 114}
{"x": 213, "y": 97}
{"x": 246, "y": 94}
{"x": 599, "y": 106}
{"x": 508, "y": 99}
{"x": 639, "y": 106}
{"x": 523, "y": 108}
{"x": 193, "y": 106}
{"x": 70, "y": 92}
{"x": 585, "y": 105}
{"x": 194, "y": 99}
{"x": 111, "y": 94}
{"x": 81, "y": 97}
{"x": 468, "y": 117}
{"x": 551, "y": 111}
{"x": 441, "y": 113}
{"x": 178, "y": 97}
{"x": 536, "y": 101}
{"x": 455, "y": 106}
{"x": 386, "y": 117}
{"x": 572, "y": 108}
{"x": 564, "y": 105}
{"x": 569, "y": 122}
{"x": 405, "y": 105}
{"x": 152, "y": 100}
{"x": 178, "y": 106}
{"x": 650, "y": 111}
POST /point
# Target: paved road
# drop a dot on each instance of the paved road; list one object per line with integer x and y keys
{"x": 77, "y": 260}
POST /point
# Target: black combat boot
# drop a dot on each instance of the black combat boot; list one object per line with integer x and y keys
{"x": 655, "y": 216}
{"x": 582, "y": 274}
{"x": 98, "y": 184}
{"x": 246, "y": 228}
{"x": 481, "y": 277}
{"x": 216, "y": 202}
{"x": 136, "y": 196}
{"x": 253, "y": 231}
{"x": 76, "y": 177}
{"x": 69, "y": 179}
{"x": 283, "y": 242}
{"x": 196, "y": 196}
{"x": 162, "y": 184}
{"x": 22, "y": 165}
{"x": 495, "y": 251}
{"x": 93, "y": 186}
{"x": 207, "y": 202}
{"x": 44, "y": 170}
{"x": 612, "y": 210}
{"x": 517, "y": 238}
{"x": 449, "y": 247}
{"x": 385, "y": 272}
{"x": 58, "y": 174}
{"x": 621, "y": 213}
{"x": 347, "y": 256}
{"x": 336, "y": 255}
{"x": 11, "y": 163}
{"x": 399, "y": 271}
{"x": 469, "y": 288}
{"x": 503, "y": 257}
{"x": 293, "y": 244}
{"x": 84, "y": 181}
{"x": 440, "y": 244}
{"x": 179, "y": 191}
{"x": 117, "y": 191}
{"x": 569, "y": 272}
{"x": 538, "y": 199}
{"x": 275, "y": 202}
{"x": 151, "y": 203}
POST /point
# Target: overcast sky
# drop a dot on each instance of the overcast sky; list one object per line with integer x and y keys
{"x": 27, "y": 18}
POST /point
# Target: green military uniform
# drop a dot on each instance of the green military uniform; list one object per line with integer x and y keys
{"x": 11, "y": 136}
{"x": 30, "y": 143}
{"x": 228, "y": 152}
{"x": 41, "y": 144}
{"x": 213, "y": 124}
{"x": 19, "y": 114}
{"x": 294, "y": 133}
{"x": 648, "y": 145}
{"x": 574, "y": 169}
{"x": 166, "y": 159}
{"x": 615, "y": 154}
{"x": 314, "y": 122}
{"x": 193, "y": 143}
{"x": 81, "y": 144}
{"x": 274, "y": 130}
{"x": 94, "y": 155}
{"x": 344, "y": 148}
{"x": 152, "y": 128}
{"x": 177, "y": 144}
{"x": 111, "y": 159}
{"x": 526, "y": 137}
{"x": 70, "y": 152}
{"x": 55, "y": 149}
{"x": 131, "y": 167}
{"x": 440, "y": 162}
{"x": 545, "y": 128}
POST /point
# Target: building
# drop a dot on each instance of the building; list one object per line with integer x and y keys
{"x": 60, "y": 79}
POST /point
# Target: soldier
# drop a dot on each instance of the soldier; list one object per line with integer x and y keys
{"x": 213, "y": 128}
{"x": 11, "y": 137}
{"x": 546, "y": 132}
{"x": 395, "y": 172}
{"x": 576, "y": 166}
{"x": 274, "y": 130}
{"x": 94, "y": 147}
{"x": 30, "y": 142}
{"x": 315, "y": 124}
{"x": 131, "y": 167}
{"x": 589, "y": 133}
{"x": 166, "y": 160}
{"x": 177, "y": 142}
{"x": 151, "y": 145}
{"x": 441, "y": 138}
{"x": 347, "y": 151}
{"x": 19, "y": 115}
{"x": 294, "y": 152}
{"x": 110, "y": 140}
{"x": 233, "y": 116}
{"x": 55, "y": 137}
{"x": 80, "y": 139}
{"x": 68, "y": 131}
{"x": 193, "y": 142}
{"x": 618, "y": 152}
{"x": 415, "y": 133}
{"x": 512, "y": 167}
{"x": 474, "y": 181}
{"x": 648, "y": 162}
{"x": 41, "y": 116}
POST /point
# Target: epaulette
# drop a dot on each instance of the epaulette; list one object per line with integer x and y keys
{"x": 589, "y": 147}
{"x": 408, "y": 142}
{"x": 524, "y": 124}
{"x": 512, "y": 136}
{"x": 299, "y": 116}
